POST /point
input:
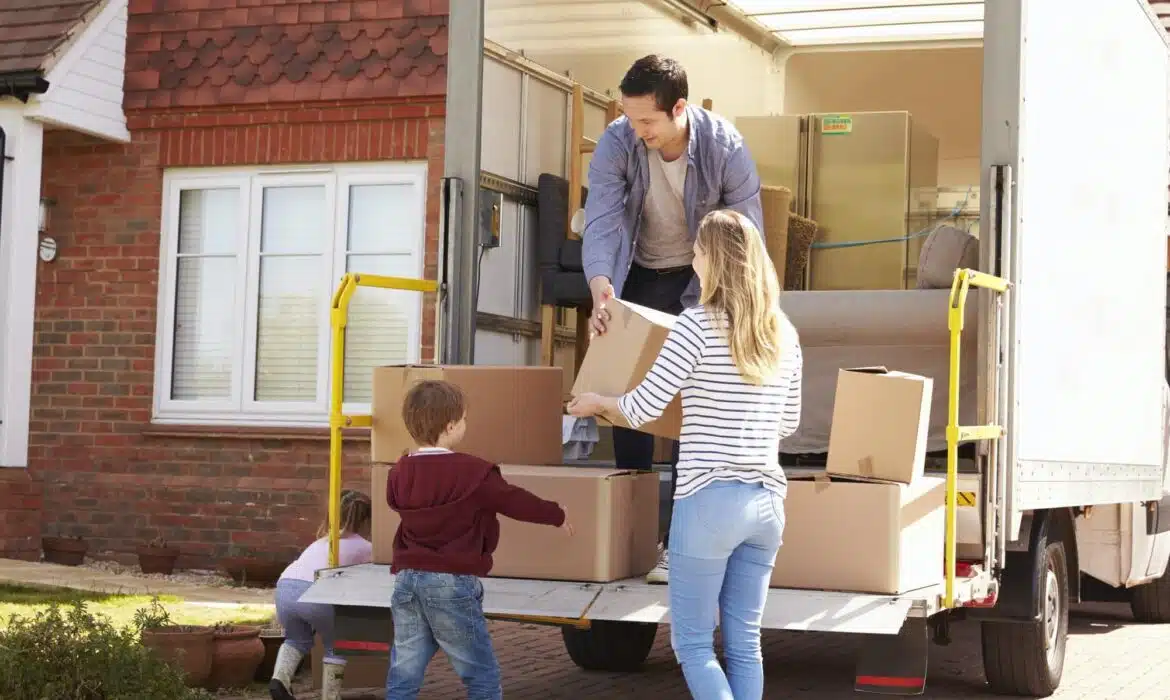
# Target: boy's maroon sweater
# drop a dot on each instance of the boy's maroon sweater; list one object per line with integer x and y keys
{"x": 448, "y": 502}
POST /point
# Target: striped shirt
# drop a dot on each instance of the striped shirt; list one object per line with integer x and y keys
{"x": 731, "y": 430}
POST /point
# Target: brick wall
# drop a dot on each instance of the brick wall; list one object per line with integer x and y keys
{"x": 20, "y": 514}
{"x": 103, "y": 471}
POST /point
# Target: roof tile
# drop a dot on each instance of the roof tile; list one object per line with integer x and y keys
{"x": 34, "y": 33}
{"x": 245, "y": 51}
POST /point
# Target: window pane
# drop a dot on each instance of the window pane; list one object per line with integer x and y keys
{"x": 294, "y": 220}
{"x": 381, "y": 322}
{"x": 383, "y": 217}
{"x": 209, "y": 221}
{"x": 204, "y": 299}
{"x": 286, "y": 335}
{"x": 205, "y": 286}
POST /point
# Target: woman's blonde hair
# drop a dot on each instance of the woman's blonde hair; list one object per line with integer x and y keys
{"x": 356, "y": 511}
{"x": 742, "y": 292}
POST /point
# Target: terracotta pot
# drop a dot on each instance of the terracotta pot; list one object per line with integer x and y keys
{"x": 248, "y": 571}
{"x": 157, "y": 560}
{"x": 236, "y": 653}
{"x": 185, "y": 647}
{"x": 64, "y": 550}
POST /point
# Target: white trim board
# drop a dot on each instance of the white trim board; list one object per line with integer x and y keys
{"x": 86, "y": 86}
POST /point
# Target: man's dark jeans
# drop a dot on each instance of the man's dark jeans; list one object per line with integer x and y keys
{"x": 660, "y": 290}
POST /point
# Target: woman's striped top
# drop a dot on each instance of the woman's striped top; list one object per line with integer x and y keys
{"x": 731, "y": 430}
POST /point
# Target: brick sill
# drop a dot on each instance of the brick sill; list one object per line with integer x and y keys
{"x": 228, "y": 432}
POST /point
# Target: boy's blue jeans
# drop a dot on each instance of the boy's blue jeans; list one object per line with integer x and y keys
{"x": 723, "y": 544}
{"x": 435, "y": 611}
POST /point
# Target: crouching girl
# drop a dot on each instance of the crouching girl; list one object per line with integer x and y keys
{"x": 302, "y": 620}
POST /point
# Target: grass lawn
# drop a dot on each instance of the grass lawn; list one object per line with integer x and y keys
{"x": 25, "y": 601}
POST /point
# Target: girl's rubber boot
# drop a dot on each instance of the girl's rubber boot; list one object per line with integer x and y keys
{"x": 287, "y": 661}
{"x": 331, "y": 677}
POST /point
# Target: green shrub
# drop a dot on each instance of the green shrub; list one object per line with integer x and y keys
{"x": 73, "y": 654}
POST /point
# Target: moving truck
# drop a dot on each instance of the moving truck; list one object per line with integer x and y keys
{"x": 1055, "y": 115}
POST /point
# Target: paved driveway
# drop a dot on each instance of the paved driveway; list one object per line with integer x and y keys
{"x": 1107, "y": 658}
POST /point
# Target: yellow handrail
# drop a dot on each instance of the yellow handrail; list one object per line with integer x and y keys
{"x": 338, "y": 421}
{"x": 964, "y": 280}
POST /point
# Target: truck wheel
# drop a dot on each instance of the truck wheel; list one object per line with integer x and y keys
{"x": 1027, "y": 658}
{"x": 1150, "y": 602}
{"x": 610, "y": 645}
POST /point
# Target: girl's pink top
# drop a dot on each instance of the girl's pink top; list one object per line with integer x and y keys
{"x": 352, "y": 549}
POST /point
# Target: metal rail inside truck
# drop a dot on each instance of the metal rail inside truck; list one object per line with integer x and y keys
{"x": 1069, "y": 464}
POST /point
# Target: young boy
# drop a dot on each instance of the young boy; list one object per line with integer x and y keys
{"x": 448, "y": 502}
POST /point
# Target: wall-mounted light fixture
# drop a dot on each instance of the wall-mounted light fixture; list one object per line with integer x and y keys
{"x": 48, "y": 247}
{"x": 43, "y": 214}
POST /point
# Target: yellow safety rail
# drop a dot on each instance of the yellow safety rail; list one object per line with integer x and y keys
{"x": 339, "y": 421}
{"x": 964, "y": 280}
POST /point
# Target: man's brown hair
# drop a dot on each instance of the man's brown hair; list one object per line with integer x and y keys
{"x": 431, "y": 406}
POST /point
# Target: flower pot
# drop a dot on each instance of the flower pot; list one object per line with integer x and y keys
{"x": 185, "y": 647}
{"x": 64, "y": 550}
{"x": 236, "y": 653}
{"x": 157, "y": 560}
{"x": 248, "y": 571}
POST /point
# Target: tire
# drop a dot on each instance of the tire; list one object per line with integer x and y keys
{"x": 1150, "y": 602}
{"x": 1027, "y": 658}
{"x": 610, "y": 645}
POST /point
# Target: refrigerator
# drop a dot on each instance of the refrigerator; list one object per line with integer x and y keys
{"x": 863, "y": 177}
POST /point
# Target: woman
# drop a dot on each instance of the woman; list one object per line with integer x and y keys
{"x": 736, "y": 360}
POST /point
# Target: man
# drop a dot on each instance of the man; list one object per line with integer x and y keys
{"x": 655, "y": 173}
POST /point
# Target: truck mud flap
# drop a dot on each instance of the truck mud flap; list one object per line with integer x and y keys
{"x": 894, "y": 665}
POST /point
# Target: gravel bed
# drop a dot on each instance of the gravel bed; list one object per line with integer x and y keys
{"x": 194, "y": 577}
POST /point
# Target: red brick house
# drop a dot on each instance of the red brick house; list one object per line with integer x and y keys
{"x": 177, "y": 343}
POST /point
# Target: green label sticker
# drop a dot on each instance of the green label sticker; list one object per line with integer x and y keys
{"x": 839, "y": 124}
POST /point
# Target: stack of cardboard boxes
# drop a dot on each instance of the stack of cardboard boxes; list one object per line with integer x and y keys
{"x": 871, "y": 522}
{"x": 514, "y": 419}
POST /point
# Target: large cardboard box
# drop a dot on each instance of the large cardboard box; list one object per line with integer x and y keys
{"x": 614, "y": 513}
{"x": 513, "y": 413}
{"x": 618, "y": 360}
{"x": 862, "y": 537}
{"x": 881, "y": 420}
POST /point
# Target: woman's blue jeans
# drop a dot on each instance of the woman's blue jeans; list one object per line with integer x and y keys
{"x": 723, "y": 544}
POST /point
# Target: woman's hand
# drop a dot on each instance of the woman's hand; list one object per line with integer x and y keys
{"x": 585, "y": 405}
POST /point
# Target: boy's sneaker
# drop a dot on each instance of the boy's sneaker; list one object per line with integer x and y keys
{"x": 660, "y": 573}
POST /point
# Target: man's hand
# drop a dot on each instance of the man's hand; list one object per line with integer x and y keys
{"x": 602, "y": 291}
{"x": 585, "y": 405}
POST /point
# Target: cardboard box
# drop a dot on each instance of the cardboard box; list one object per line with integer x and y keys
{"x": 513, "y": 413}
{"x": 614, "y": 513}
{"x": 861, "y": 536}
{"x": 776, "y": 203}
{"x": 881, "y": 420}
{"x": 617, "y": 361}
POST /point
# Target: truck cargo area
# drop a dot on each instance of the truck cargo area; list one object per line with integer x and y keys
{"x": 975, "y": 131}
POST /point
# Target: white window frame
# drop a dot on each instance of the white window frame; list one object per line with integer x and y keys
{"x": 242, "y": 409}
